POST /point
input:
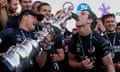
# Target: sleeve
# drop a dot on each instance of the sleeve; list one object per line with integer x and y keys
{"x": 103, "y": 46}
{"x": 72, "y": 46}
{"x": 105, "y": 49}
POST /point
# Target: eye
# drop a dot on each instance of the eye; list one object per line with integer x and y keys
{"x": 58, "y": 17}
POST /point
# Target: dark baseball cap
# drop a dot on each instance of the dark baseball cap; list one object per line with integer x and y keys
{"x": 31, "y": 12}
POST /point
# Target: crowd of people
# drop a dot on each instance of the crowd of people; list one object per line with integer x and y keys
{"x": 93, "y": 46}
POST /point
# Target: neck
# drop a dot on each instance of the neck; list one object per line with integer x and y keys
{"x": 110, "y": 32}
{"x": 84, "y": 31}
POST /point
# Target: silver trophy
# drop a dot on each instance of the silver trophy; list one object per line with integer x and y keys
{"x": 21, "y": 56}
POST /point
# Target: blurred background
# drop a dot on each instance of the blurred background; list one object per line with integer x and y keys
{"x": 98, "y": 6}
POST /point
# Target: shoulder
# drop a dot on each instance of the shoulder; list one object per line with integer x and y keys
{"x": 74, "y": 39}
{"x": 98, "y": 39}
{"x": 7, "y": 31}
{"x": 118, "y": 35}
{"x": 97, "y": 36}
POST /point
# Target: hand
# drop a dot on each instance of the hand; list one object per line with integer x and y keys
{"x": 54, "y": 57}
{"x": 3, "y": 3}
{"x": 10, "y": 49}
{"x": 13, "y": 14}
{"x": 87, "y": 64}
{"x": 117, "y": 65}
{"x": 47, "y": 41}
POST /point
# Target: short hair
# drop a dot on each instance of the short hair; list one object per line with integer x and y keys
{"x": 118, "y": 24}
{"x": 8, "y": 1}
{"x": 20, "y": 0}
{"x": 35, "y": 3}
{"x": 91, "y": 15}
{"x": 42, "y": 4}
{"x": 31, "y": 12}
{"x": 107, "y": 16}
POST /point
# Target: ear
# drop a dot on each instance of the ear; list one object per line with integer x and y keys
{"x": 90, "y": 21}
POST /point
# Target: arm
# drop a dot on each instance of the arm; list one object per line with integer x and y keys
{"x": 72, "y": 61}
{"x": 3, "y": 13}
{"x": 42, "y": 56}
{"x": 59, "y": 55}
{"x": 3, "y": 3}
{"x": 57, "y": 50}
{"x": 107, "y": 60}
{"x": 41, "y": 59}
{"x": 84, "y": 64}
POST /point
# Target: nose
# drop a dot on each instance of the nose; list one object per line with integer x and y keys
{"x": 48, "y": 14}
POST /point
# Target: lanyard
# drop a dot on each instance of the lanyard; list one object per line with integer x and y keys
{"x": 114, "y": 40}
{"x": 23, "y": 34}
{"x": 82, "y": 48}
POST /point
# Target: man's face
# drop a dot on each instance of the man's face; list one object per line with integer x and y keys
{"x": 110, "y": 24}
{"x": 30, "y": 22}
{"x": 26, "y": 4}
{"x": 13, "y": 5}
{"x": 118, "y": 29}
{"x": 45, "y": 10}
{"x": 35, "y": 7}
{"x": 82, "y": 19}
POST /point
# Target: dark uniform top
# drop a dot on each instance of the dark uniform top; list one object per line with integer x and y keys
{"x": 13, "y": 22}
{"x": 114, "y": 40}
{"x": 11, "y": 36}
{"x": 94, "y": 46}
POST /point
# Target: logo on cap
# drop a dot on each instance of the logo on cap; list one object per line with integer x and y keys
{"x": 83, "y": 6}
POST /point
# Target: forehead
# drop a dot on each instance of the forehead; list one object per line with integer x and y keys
{"x": 31, "y": 16}
{"x": 26, "y": 0}
{"x": 109, "y": 18}
{"x": 85, "y": 12}
{"x": 45, "y": 7}
{"x": 13, "y": 1}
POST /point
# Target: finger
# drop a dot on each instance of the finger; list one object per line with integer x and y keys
{"x": 90, "y": 66}
{"x": 86, "y": 61}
